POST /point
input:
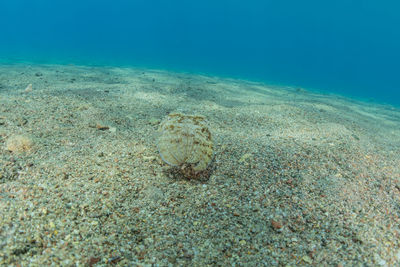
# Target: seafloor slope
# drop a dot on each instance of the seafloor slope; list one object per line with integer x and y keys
{"x": 298, "y": 178}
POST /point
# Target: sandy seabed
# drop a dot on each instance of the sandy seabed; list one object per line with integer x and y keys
{"x": 298, "y": 178}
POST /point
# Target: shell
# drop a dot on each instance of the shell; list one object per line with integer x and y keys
{"x": 185, "y": 140}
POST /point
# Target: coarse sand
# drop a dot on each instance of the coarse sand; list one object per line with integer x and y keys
{"x": 298, "y": 178}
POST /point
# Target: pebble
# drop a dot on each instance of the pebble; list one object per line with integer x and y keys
{"x": 307, "y": 259}
{"x": 102, "y": 127}
{"x": 154, "y": 121}
{"x": 276, "y": 225}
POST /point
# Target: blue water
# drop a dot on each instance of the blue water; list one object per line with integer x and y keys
{"x": 351, "y": 47}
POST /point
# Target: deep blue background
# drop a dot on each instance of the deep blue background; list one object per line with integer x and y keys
{"x": 350, "y": 47}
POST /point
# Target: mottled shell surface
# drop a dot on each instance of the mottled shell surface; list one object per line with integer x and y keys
{"x": 185, "y": 140}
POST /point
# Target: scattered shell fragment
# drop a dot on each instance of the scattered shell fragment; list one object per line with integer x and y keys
{"x": 307, "y": 259}
{"x": 28, "y": 88}
{"x": 245, "y": 157}
{"x": 19, "y": 143}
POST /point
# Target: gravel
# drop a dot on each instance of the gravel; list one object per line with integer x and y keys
{"x": 298, "y": 177}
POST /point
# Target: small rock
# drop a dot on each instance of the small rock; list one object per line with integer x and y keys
{"x": 44, "y": 211}
{"x": 92, "y": 261}
{"x": 244, "y": 158}
{"x": 2, "y": 120}
{"x": 276, "y": 225}
{"x": 307, "y": 259}
{"x": 149, "y": 158}
{"x": 154, "y": 121}
{"x": 22, "y": 121}
{"x": 102, "y": 127}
